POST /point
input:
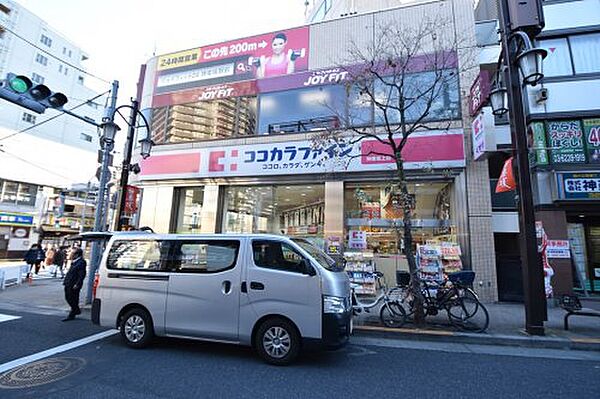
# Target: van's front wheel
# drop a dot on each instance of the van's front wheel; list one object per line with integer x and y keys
{"x": 136, "y": 328}
{"x": 277, "y": 341}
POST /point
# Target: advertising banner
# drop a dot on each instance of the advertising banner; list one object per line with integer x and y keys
{"x": 15, "y": 219}
{"x": 257, "y": 57}
{"x": 591, "y": 129}
{"x": 558, "y": 249}
{"x": 566, "y": 141}
{"x": 578, "y": 186}
{"x": 430, "y": 150}
{"x": 131, "y": 199}
{"x": 483, "y": 130}
{"x": 538, "y": 136}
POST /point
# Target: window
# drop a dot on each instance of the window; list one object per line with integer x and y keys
{"x": 147, "y": 255}
{"x": 18, "y": 193}
{"x": 37, "y": 78}
{"x": 80, "y": 81}
{"x": 28, "y": 118}
{"x": 85, "y": 137}
{"x": 64, "y": 50}
{"x": 301, "y": 110}
{"x": 70, "y": 53}
{"x": 189, "y": 210}
{"x": 585, "y": 49}
{"x": 277, "y": 255}
{"x": 41, "y": 59}
{"x": 445, "y": 102}
{"x": 558, "y": 61}
{"x": 205, "y": 256}
{"x": 203, "y": 120}
{"x": 46, "y": 40}
{"x": 66, "y": 71}
{"x": 60, "y": 68}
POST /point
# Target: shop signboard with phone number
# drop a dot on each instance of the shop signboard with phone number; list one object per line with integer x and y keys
{"x": 565, "y": 139}
{"x": 591, "y": 129}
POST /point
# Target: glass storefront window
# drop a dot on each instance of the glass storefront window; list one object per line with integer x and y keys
{"x": 375, "y": 209}
{"x": 189, "y": 209}
{"x": 293, "y": 210}
{"x": 18, "y": 193}
{"x": 204, "y": 120}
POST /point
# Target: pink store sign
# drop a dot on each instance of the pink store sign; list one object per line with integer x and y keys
{"x": 435, "y": 150}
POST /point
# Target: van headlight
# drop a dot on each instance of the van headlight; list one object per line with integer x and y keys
{"x": 333, "y": 304}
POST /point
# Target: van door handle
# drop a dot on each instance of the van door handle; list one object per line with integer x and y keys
{"x": 255, "y": 285}
{"x": 244, "y": 287}
{"x": 226, "y": 287}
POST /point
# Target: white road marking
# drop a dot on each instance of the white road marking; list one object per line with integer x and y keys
{"x": 57, "y": 349}
{"x": 6, "y": 317}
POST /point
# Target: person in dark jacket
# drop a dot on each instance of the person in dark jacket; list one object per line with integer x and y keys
{"x": 74, "y": 281}
{"x": 59, "y": 261}
{"x": 34, "y": 257}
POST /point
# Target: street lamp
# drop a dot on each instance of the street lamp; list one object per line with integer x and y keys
{"x": 146, "y": 146}
{"x": 523, "y": 65}
{"x": 109, "y": 132}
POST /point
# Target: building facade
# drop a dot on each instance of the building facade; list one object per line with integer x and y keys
{"x": 236, "y": 148}
{"x": 563, "y": 117}
{"x": 39, "y": 159}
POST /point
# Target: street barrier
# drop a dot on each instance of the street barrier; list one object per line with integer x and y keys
{"x": 12, "y": 275}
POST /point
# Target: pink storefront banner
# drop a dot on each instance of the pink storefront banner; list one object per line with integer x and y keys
{"x": 434, "y": 149}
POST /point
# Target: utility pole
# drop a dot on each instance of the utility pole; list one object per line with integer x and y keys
{"x": 531, "y": 261}
{"x": 126, "y": 162}
{"x": 108, "y": 129}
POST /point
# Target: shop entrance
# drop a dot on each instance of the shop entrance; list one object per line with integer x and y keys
{"x": 584, "y": 239}
{"x": 508, "y": 267}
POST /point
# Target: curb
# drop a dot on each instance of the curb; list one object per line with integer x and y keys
{"x": 585, "y": 344}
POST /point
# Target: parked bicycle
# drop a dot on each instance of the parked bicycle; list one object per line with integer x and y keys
{"x": 454, "y": 295}
{"x": 391, "y": 314}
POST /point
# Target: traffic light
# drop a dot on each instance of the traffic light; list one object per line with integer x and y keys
{"x": 20, "y": 90}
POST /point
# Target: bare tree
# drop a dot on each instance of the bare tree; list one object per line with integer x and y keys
{"x": 410, "y": 76}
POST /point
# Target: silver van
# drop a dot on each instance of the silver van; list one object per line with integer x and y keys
{"x": 271, "y": 292}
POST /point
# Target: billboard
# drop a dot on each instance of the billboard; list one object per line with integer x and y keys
{"x": 257, "y": 57}
{"x": 435, "y": 149}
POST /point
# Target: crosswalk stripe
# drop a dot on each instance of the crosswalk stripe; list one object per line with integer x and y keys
{"x": 7, "y": 317}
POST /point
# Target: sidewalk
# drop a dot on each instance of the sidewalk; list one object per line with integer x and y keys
{"x": 507, "y": 327}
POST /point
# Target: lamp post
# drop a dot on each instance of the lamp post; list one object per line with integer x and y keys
{"x": 523, "y": 65}
{"x": 145, "y": 148}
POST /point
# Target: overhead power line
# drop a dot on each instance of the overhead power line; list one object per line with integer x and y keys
{"x": 53, "y": 56}
{"x": 54, "y": 117}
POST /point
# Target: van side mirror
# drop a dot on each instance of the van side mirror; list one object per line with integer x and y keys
{"x": 306, "y": 268}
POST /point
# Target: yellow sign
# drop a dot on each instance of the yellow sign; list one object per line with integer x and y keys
{"x": 179, "y": 59}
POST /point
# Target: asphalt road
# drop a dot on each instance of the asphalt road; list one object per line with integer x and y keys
{"x": 173, "y": 368}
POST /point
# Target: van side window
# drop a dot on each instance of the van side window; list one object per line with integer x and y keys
{"x": 276, "y": 255}
{"x": 147, "y": 255}
{"x": 208, "y": 256}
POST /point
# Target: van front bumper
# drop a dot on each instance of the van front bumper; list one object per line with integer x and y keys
{"x": 336, "y": 329}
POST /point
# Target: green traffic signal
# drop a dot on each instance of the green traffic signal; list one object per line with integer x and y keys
{"x": 19, "y": 84}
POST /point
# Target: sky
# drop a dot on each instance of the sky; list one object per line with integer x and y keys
{"x": 120, "y": 35}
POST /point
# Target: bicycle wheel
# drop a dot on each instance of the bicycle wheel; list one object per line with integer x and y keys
{"x": 468, "y": 314}
{"x": 392, "y": 315}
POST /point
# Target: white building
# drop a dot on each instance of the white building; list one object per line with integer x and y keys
{"x": 38, "y": 159}
{"x": 324, "y": 10}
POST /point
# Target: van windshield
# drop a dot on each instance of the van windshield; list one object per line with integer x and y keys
{"x": 321, "y": 257}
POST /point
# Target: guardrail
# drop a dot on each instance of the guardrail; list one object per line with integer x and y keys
{"x": 12, "y": 275}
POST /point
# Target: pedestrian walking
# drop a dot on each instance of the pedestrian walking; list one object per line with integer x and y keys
{"x": 33, "y": 257}
{"x": 49, "y": 260}
{"x": 59, "y": 261}
{"x": 74, "y": 281}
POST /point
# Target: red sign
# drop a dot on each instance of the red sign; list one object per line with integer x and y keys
{"x": 506, "y": 182}
{"x": 479, "y": 92}
{"x": 131, "y": 199}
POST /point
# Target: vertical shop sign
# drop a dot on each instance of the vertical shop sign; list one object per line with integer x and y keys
{"x": 357, "y": 239}
{"x": 539, "y": 143}
{"x": 484, "y": 139}
{"x": 566, "y": 141}
{"x": 591, "y": 129}
{"x": 131, "y": 196}
{"x": 558, "y": 249}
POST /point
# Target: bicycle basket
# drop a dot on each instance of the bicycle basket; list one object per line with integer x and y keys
{"x": 402, "y": 278}
{"x": 464, "y": 278}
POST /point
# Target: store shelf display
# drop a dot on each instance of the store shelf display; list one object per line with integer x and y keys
{"x": 360, "y": 267}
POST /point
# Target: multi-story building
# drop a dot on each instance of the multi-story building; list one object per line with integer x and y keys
{"x": 39, "y": 158}
{"x": 234, "y": 146}
{"x": 563, "y": 114}
{"x": 324, "y": 10}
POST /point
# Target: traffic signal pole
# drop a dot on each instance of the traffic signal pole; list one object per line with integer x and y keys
{"x": 108, "y": 122}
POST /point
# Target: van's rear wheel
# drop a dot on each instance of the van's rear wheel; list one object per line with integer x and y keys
{"x": 277, "y": 341}
{"x": 136, "y": 328}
